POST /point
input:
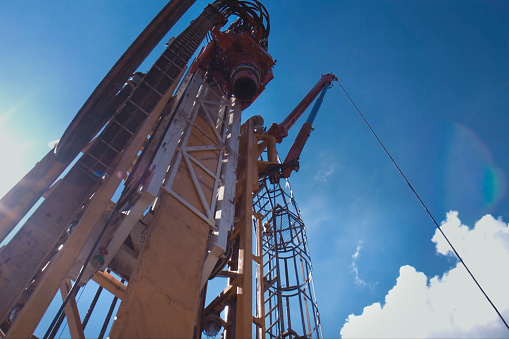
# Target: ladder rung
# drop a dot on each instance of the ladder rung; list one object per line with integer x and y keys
{"x": 88, "y": 171}
{"x": 137, "y": 106}
{"x": 109, "y": 146}
{"x": 171, "y": 61}
{"x": 272, "y": 269}
{"x": 272, "y": 309}
{"x": 97, "y": 160}
{"x": 272, "y": 325}
{"x": 123, "y": 127}
{"x": 163, "y": 73}
{"x": 151, "y": 87}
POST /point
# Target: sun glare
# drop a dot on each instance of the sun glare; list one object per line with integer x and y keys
{"x": 16, "y": 162}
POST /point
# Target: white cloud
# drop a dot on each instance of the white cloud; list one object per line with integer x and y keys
{"x": 451, "y": 305}
{"x": 355, "y": 269}
{"x": 323, "y": 173}
{"x": 324, "y": 165}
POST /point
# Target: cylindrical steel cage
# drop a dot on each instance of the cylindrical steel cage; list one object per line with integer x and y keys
{"x": 290, "y": 307}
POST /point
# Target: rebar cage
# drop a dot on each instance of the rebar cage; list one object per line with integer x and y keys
{"x": 290, "y": 307}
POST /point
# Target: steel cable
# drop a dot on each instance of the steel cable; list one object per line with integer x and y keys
{"x": 75, "y": 286}
{"x": 423, "y": 205}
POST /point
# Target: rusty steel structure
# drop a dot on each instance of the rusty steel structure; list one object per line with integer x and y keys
{"x": 199, "y": 197}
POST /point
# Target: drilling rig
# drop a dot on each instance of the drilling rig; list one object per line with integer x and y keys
{"x": 169, "y": 191}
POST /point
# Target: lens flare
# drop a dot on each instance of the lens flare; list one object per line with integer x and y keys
{"x": 494, "y": 185}
{"x": 471, "y": 180}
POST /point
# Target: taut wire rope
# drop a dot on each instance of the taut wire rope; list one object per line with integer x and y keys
{"x": 423, "y": 205}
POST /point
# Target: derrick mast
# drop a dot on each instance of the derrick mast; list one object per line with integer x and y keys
{"x": 186, "y": 172}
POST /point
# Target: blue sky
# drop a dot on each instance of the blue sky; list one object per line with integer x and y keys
{"x": 432, "y": 77}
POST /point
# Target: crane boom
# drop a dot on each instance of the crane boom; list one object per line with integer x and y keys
{"x": 280, "y": 131}
{"x": 292, "y": 158}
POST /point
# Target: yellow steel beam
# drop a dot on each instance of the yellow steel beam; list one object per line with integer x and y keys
{"x": 260, "y": 289}
{"x": 24, "y": 256}
{"x": 89, "y": 118}
{"x": 110, "y": 283}
{"x": 163, "y": 292}
{"x": 222, "y": 299}
{"x": 22, "y": 197}
{"x": 36, "y": 306}
{"x": 238, "y": 294}
{"x": 163, "y": 295}
{"x": 244, "y": 307}
{"x": 71, "y": 311}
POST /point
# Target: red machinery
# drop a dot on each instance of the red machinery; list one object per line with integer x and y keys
{"x": 280, "y": 131}
{"x": 237, "y": 61}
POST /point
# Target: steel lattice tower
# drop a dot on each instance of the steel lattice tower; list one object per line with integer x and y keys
{"x": 290, "y": 305}
{"x": 191, "y": 185}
